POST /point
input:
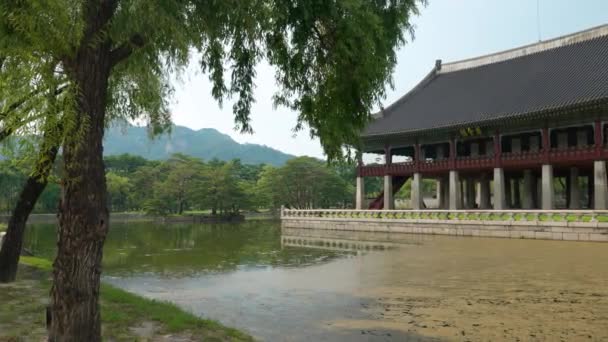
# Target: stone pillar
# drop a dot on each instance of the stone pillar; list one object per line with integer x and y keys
{"x": 445, "y": 193}
{"x": 529, "y": 184}
{"x": 455, "y": 199}
{"x": 470, "y": 193}
{"x": 484, "y": 192}
{"x": 516, "y": 193}
{"x": 508, "y": 193}
{"x": 439, "y": 192}
{"x": 600, "y": 196}
{"x": 548, "y": 187}
{"x": 389, "y": 199}
{"x": 590, "y": 201}
{"x": 416, "y": 194}
{"x": 575, "y": 189}
{"x": 499, "y": 189}
{"x": 360, "y": 195}
{"x": 539, "y": 192}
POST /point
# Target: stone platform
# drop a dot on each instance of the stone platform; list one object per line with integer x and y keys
{"x": 565, "y": 225}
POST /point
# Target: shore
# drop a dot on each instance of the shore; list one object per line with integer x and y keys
{"x": 125, "y": 316}
{"x": 194, "y": 217}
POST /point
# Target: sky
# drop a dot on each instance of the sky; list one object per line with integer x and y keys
{"x": 449, "y": 30}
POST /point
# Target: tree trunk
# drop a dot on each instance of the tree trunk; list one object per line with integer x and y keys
{"x": 83, "y": 213}
{"x": 10, "y": 250}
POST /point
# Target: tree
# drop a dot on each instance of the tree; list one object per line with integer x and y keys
{"x": 119, "y": 188}
{"x": 332, "y": 61}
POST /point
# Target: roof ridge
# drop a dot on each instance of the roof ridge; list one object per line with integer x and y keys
{"x": 501, "y": 56}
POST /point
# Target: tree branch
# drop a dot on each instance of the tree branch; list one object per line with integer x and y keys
{"x": 15, "y": 105}
{"x": 123, "y": 51}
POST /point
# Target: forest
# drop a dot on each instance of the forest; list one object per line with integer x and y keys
{"x": 184, "y": 184}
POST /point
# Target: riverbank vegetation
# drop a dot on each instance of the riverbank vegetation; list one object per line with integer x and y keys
{"x": 125, "y": 317}
{"x": 184, "y": 184}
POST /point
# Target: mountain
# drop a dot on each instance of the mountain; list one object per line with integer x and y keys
{"x": 206, "y": 143}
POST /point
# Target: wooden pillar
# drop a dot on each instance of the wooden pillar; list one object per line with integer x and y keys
{"x": 546, "y": 145}
{"x": 388, "y": 155}
{"x": 497, "y": 150}
{"x": 598, "y": 138}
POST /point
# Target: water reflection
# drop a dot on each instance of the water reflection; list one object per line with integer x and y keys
{"x": 313, "y": 285}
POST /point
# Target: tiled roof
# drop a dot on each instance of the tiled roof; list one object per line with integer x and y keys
{"x": 550, "y": 75}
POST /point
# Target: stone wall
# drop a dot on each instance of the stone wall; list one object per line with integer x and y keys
{"x": 568, "y": 231}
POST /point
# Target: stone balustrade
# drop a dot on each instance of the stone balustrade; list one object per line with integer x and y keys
{"x": 578, "y": 225}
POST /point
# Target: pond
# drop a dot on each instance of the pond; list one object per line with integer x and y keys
{"x": 311, "y": 285}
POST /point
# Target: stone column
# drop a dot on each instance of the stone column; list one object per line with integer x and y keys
{"x": 389, "y": 200}
{"x": 455, "y": 198}
{"x": 575, "y": 189}
{"x": 548, "y": 187}
{"x": 499, "y": 189}
{"x": 529, "y": 184}
{"x": 470, "y": 193}
{"x": 416, "y": 194}
{"x": 445, "y": 193}
{"x": 484, "y": 192}
{"x": 360, "y": 195}
{"x": 590, "y": 191}
{"x": 438, "y": 194}
{"x": 508, "y": 193}
{"x": 442, "y": 194}
{"x": 600, "y": 196}
{"x": 516, "y": 193}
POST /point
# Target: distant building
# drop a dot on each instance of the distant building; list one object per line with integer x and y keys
{"x": 495, "y": 131}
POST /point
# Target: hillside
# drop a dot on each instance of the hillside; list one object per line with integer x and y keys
{"x": 206, "y": 143}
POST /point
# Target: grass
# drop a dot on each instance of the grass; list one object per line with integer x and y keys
{"x": 123, "y": 314}
{"x": 2, "y": 227}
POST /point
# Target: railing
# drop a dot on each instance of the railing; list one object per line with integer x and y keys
{"x": 579, "y": 216}
{"x": 507, "y": 160}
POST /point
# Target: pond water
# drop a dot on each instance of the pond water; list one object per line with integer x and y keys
{"x": 309, "y": 285}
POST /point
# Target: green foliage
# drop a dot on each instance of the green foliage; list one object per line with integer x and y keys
{"x": 305, "y": 182}
{"x": 184, "y": 183}
{"x": 332, "y": 59}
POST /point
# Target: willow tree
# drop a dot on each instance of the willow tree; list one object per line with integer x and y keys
{"x": 332, "y": 61}
{"x": 30, "y": 110}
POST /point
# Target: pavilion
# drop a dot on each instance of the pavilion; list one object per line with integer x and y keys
{"x": 496, "y": 131}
